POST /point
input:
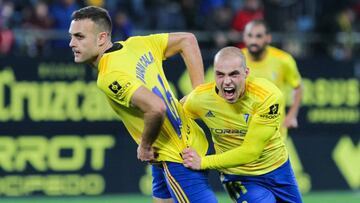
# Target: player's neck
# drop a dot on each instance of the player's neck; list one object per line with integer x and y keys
{"x": 106, "y": 46}
{"x": 259, "y": 57}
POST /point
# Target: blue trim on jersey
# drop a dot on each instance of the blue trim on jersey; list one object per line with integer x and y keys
{"x": 174, "y": 180}
{"x": 276, "y": 186}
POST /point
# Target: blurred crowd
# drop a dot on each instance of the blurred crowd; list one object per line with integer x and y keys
{"x": 302, "y": 27}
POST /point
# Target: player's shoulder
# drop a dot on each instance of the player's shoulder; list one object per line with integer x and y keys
{"x": 262, "y": 88}
{"x": 109, "y": 63}
{"x": 278, "y": 53}
{"x": 204, "y": 88}
{"x": 245, "y": 51}
{"x": 141, "y": 38}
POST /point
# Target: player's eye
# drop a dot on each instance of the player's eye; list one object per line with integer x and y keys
{"x": 219, "y": 73}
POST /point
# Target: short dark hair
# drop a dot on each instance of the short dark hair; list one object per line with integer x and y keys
{"x": 98, "y": 15}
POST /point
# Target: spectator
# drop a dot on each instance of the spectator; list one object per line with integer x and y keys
{"x": 345, "y": 22}
{"x": 61, "y": 11}
{"x": 122, "y": 28}
{"x": 252, "y": 10}
{"x": 189, "y": 11}
{"x": 39, "y": 20}
{"x": 6, "y": 34}
{"x": 6, "y": 41}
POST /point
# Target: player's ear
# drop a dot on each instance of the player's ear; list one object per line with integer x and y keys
{"x": 268, "y": 38}
{"x": 102, "y": 38}
{"x": 247, "y": 71}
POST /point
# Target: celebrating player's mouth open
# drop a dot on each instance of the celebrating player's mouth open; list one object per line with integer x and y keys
{"x": 230, "y": 78}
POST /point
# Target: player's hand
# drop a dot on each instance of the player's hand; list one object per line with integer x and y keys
{"x": 146, "y": 153}
{"x": 290, "y": 122}
{"x": 191, "y": 159}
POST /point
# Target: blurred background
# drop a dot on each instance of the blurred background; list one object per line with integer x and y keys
{"x": 60, "y": 141}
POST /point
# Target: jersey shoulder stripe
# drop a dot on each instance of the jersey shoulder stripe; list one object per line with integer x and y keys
{"x": 204, "y": 88}
{"x": 257, "y": 90}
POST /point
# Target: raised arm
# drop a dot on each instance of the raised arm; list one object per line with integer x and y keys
{"x": 186, "y": 44}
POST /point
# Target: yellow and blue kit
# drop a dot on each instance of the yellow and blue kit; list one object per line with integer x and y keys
{"x": 136, "y": 62}
{"x": 247, "y": 141}
{"x": 277, "y": 66}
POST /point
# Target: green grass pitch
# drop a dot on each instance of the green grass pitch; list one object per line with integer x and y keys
{"x": 314, "y": 197}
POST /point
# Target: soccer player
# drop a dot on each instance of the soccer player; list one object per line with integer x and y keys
{"x": 131, "y": 75}
{"x": 275, "y": 65}
{"x": 279, "y": 67}
{"x": 243, "y": 115}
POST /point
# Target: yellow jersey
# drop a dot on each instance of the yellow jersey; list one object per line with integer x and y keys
{"x": 235, "y": 127}
{"x": 138, "y": 62}
{"x": 277, "y": 66}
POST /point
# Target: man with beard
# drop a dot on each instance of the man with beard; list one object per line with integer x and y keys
{"x": 243, "y": 115}
{"x": 279, "y": 67}
{"x": 275, "y": 65}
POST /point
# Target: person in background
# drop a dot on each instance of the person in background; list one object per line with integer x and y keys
{"x": 122, "y": 28}
{"x": 60, "y": 12}
{"x": 275, "y": 65}
{"x": 251, "y": 10}
{"x": 280, "y": 68}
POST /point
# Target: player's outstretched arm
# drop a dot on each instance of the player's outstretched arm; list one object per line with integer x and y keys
{"x": 186, "y": 44}
{"x": 154, "y": 113}
{"x": 249, "y": 151}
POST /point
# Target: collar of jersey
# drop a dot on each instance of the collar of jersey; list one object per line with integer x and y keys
{"x": 115, "y": 47}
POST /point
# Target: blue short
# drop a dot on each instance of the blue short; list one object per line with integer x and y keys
{"x": 174, "y": 180}
{"x": 277, "y": 186}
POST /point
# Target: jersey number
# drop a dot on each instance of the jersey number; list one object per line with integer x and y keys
{"x": 171, "y": 110}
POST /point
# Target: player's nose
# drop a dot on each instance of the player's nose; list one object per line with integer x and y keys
{"x": 227, "y": 80}
{"x": 72, "y": 42}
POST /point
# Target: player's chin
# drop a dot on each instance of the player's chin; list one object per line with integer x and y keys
{"x": 229, "y": 97}
{"x": 254, "y": 51}
{"x": 231, "y": 100}
{"x": 78, "y": 60}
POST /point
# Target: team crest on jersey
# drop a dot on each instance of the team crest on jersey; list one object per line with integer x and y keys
{"x": 273, "y": 112}
{"x": 115, "y": 87}
{"x": 274, "y": 76}
{"x": 246, "y": 117}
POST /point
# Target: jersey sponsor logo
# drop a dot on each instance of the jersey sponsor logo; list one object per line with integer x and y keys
{"x": 274, "y": 109}
{"x": 188, "y": 129}
{"x": 219, "y": 131}
{"x": 209, "y": 114}
{"x": 115, "y": 87}
{"x": 273, "y": 112}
